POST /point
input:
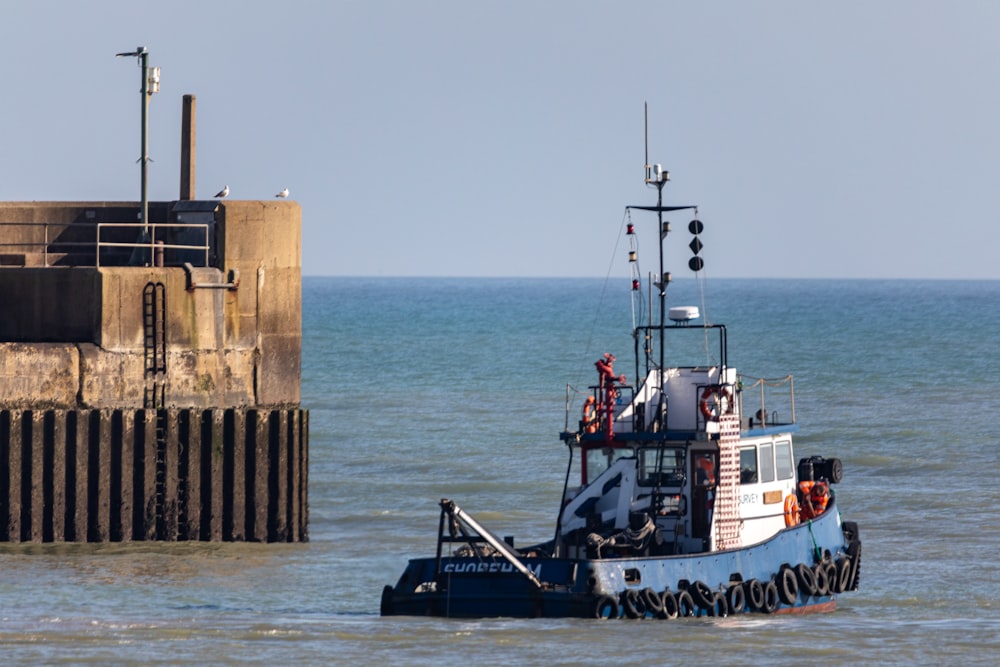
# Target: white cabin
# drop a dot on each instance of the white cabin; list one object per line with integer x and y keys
{"x": 679, "y": 450}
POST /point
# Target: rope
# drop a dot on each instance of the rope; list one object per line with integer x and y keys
{"x": 701, "y": 281}
{"x": 819, "y": 552}
{"x": 635, "y": 274}
{"x": 588, "y": 349}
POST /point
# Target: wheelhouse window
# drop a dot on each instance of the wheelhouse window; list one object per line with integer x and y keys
{"x": 767, "y": 463}
{"x": 783, "y": 459}
{"x": 661, "y": 466}
{"x": 600, "y": 459}
{"x": 748, "y": 465}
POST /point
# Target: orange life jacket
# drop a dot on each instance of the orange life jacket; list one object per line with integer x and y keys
{"x": 819, "y": 496}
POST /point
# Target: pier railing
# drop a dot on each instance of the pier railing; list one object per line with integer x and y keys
{"x": 105, "y": 244}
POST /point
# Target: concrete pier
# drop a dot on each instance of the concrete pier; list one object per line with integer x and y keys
{"x": 150, "y": 374}
{"x": 124, "y": 475}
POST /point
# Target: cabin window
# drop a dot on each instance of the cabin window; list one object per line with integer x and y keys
{"x": 783, "y": 459}
{"x": 600, "y": 459}
{"x": 767, "y": 463}
{"x": 597, "y": 462}
{"x": 748, "y": 465}
{"x": 661, "y": 466}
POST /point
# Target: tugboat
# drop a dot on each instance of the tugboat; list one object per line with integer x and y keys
{"x": 682, "y": 497}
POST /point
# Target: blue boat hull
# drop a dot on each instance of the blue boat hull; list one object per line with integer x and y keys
{"x": 618, "y": 587}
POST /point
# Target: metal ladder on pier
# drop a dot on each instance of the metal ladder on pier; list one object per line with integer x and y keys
{"x": 154, "y": 315}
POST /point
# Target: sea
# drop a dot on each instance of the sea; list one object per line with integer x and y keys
{"x": 427, "y": 388}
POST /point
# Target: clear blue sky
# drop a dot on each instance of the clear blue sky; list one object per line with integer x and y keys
{"x": 463, "y": 138}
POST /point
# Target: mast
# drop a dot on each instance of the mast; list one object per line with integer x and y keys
{"x": 657, "y": 176}
{"x": 664, "y": 277}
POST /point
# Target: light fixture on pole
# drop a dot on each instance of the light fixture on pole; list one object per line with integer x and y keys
{"x": 150, "y": 85}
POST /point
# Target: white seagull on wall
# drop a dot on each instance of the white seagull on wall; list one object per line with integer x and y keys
{"x": 282, "y": 194}
{"x": 223, "y": 193}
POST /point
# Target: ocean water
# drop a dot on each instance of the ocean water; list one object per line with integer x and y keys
{"x": 421, "y": 389}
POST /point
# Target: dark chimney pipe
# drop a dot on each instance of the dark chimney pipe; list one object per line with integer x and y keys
{"x": 187, "y": 149}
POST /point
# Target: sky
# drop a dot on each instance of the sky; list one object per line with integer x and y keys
{"x": 852, "y": 139}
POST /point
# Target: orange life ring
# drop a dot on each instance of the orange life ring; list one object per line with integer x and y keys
{"x": 720, "y": 393}
{"x": 791, "y": 510}
{"x": 589, "y": 415}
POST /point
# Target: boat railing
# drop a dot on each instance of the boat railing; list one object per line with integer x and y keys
{"x": 688, "y": 345}
{"x": 760, "y": 402}
{"x": 597, "y": 420}
{"x": 767, "y": 401}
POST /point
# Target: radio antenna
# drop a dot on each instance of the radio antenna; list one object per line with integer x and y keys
{"x": 654, "y": 172}
{"x": 645, "y": 127}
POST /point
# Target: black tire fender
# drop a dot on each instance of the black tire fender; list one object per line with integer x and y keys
{"x": 668, "y": 603}
{"x": 702, "y": 594}
{"x": 822, "y": 580}
{"x": 832, "y": 575}
{"x": 685, "y": 604}
{"x": 854, "y": 553}
{"x": 720, "y": 606}
{"x": 652, "y": 601}
{"x": 788, "y": 585}
{"x": 606, "y": 607}
{"x": 632, "y": 604}
{"x": 737, "y": 598}
{"x": 754, "y": 594}
{"x": 850, "y": 529}
{"x": 770, "y": 598}
{"x": 807, "y": 578}
{"x": 843, "y": 574}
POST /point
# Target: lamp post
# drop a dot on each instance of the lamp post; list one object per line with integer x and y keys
{"x": 150, "y": 85}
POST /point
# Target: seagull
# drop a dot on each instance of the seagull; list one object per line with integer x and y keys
{"x": 282, "y": 194}
{"x": 223, "y": 193}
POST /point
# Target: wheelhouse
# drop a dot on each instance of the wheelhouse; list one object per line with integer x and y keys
{"x": 699, "y": 448}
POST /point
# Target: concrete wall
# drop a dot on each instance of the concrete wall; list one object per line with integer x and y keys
{"x": 50, "y": 304}
{"x": 116, "y": 425}
{"x": 263, "y": 241}
{"x": 82, "y": 328}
